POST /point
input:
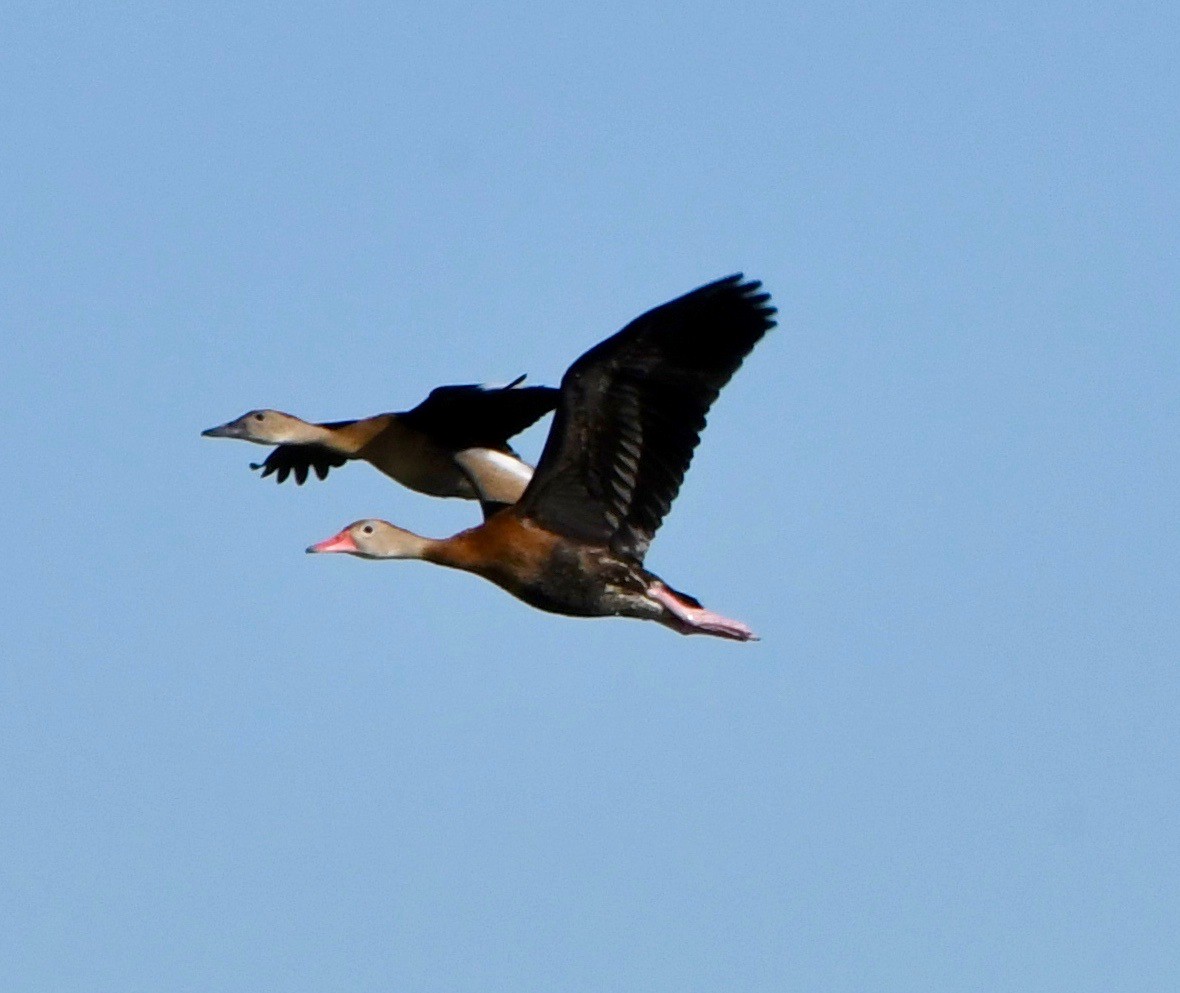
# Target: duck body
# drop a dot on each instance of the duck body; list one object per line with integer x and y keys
{"x": 456, "y": 435}
{"x": 628, "y": 419}
{"x": 545, "y": 570}
{"x": 418, "y": 462}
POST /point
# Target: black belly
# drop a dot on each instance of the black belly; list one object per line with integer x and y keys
{"x": 579, "y": 586}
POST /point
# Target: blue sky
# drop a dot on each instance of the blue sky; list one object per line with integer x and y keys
{"x": 943, "y": 491}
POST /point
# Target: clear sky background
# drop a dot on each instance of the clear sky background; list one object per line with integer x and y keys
{"x": 944, "y": 491}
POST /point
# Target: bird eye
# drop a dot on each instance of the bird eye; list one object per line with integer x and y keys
{"x": 368, "y": 529}
{"x": 259, "y": 417}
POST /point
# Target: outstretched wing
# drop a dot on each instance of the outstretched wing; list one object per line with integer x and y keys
{"x": 458, "y": 417}
{"x": 631, "y": 412}
{"x": 299, "y": 460}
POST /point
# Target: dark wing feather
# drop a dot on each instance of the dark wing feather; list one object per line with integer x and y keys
{"x": 631, "y": 413}
{"x": 299, "y": 460}
{"x": 459, "y": 417}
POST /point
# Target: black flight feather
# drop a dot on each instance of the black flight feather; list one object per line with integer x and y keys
{"x": 459, "y": 417}
{"x": 631, "y": 412}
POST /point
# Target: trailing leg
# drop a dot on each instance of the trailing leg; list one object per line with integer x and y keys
{"x": 689, "y": 617}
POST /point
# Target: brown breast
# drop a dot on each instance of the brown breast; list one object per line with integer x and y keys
{"x": 505, "y": 549}
{"x": 412, "y": 459}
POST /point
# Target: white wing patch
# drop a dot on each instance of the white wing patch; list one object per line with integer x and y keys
{"x": 497, "y": 476}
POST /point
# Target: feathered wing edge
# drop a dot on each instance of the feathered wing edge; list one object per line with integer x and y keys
{"x": 470, "y": 416}
{"x": 631, "y": 412}
{"x": 299, "y": 461}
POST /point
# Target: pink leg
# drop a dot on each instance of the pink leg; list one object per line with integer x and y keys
{"x": 698, "y": 620}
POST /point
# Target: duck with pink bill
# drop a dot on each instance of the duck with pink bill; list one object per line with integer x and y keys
{"x": 628, "y": 419}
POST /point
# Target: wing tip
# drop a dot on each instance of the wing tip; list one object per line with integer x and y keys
{"x": 747, "y": 289}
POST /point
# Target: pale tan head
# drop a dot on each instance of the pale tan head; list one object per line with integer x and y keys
{"x": 265, "y": 427}
{"x": 374, "y": 539}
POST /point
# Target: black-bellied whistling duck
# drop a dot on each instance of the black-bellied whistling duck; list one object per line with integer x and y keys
{"x": 628, "y": 419}
{"x": 417, "y": 447}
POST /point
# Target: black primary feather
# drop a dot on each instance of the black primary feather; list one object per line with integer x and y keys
{"x": 298, "y": 460}
{"x": 631, "y": 412}
{"x": 459, "y": 417}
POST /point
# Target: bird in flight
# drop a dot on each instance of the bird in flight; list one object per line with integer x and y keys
{"x": 628, "y": 419}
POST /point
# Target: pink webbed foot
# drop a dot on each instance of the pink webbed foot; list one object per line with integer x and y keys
{"x": 694, "y": 619}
